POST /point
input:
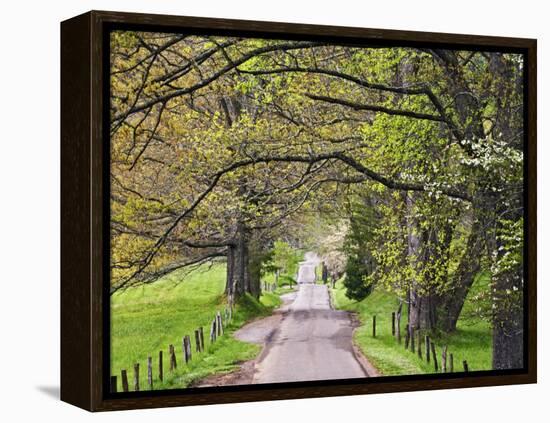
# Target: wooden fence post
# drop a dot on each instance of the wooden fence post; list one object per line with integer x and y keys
{"x": 398, "y": 318}
{"x": 197, "y": 341}
{"x": 124, "y": 377}
{"x": 465, "y": 364}
{"x": 189, "y": 349}
{"x": 185, "y": 359}
{"x": 451, "y": 363}
{"x": 398, "y": 331}
{"x": 160, "y": 366}
{"x": 434, "y": 356}
{"x": 427, "y": 342}
{"x": 113, "y": 384}
{"x": 186, "y": 348}
{"x": 393, "y": 323}
{"x": 444, "y": 359}
{"x": 173, "y": 363}
{"x": 219, "y": 324}
{"x": 136, "y": 377}
{"x": 201, "y": 335}
{"x": 150, "y": 372}
{"x": 407, "y": 337}
{"x": 374, "y": 326}
{"x": 213, "y": 331}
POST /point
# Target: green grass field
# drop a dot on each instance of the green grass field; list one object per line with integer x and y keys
{"x": 148, "y": 319}
{"x": 471, "y": 341}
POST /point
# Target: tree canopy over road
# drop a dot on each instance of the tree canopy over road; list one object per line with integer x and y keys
{"x": 407, "y": 160}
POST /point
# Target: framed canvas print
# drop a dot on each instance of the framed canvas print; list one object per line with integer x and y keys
{"x": 256, "y": 211}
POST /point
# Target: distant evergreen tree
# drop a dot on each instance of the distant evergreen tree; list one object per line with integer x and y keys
{"x": 357, "y": 246}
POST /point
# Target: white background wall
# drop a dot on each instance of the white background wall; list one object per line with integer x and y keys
{"x": 29, "y": 208}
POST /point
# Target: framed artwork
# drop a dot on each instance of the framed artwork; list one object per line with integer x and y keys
{"x": 257, "y": 211}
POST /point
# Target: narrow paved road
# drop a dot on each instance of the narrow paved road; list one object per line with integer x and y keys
{"x": 312, "y": 342}
{"x": 306, "y": 271}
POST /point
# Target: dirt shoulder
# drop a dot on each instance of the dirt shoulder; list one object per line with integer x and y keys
{"x": 259, "y": 331}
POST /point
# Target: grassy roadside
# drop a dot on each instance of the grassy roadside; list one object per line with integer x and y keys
{"x": 471, "y": 341}
{"x": 148, "y": 319}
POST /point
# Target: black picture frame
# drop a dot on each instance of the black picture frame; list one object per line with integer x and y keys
{"x": 85, "y": 212}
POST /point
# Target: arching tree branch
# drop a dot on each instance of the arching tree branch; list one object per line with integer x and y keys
{"x": 203, "y": 83}
{"x": 374, "y": 108}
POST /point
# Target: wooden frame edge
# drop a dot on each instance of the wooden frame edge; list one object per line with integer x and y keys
{"x": 82, "y": 224}
{"x": 76, "y": 327}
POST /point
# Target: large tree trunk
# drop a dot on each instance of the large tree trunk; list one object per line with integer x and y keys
{"x": 428, "y": 305}
{"x": 469, "y": 266}
{"x": 423, "y": 311}
{"x": 244, "y": 261}
{"x": 462, "y": 280}
{"x": 437, "y": 250}
{"x": 426, "y": 247}
{"x": 238, "y": 276}
{"x": 418, "y": 304}
{"x": 230, "y": 286}
{"x": 255, "y": 260}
